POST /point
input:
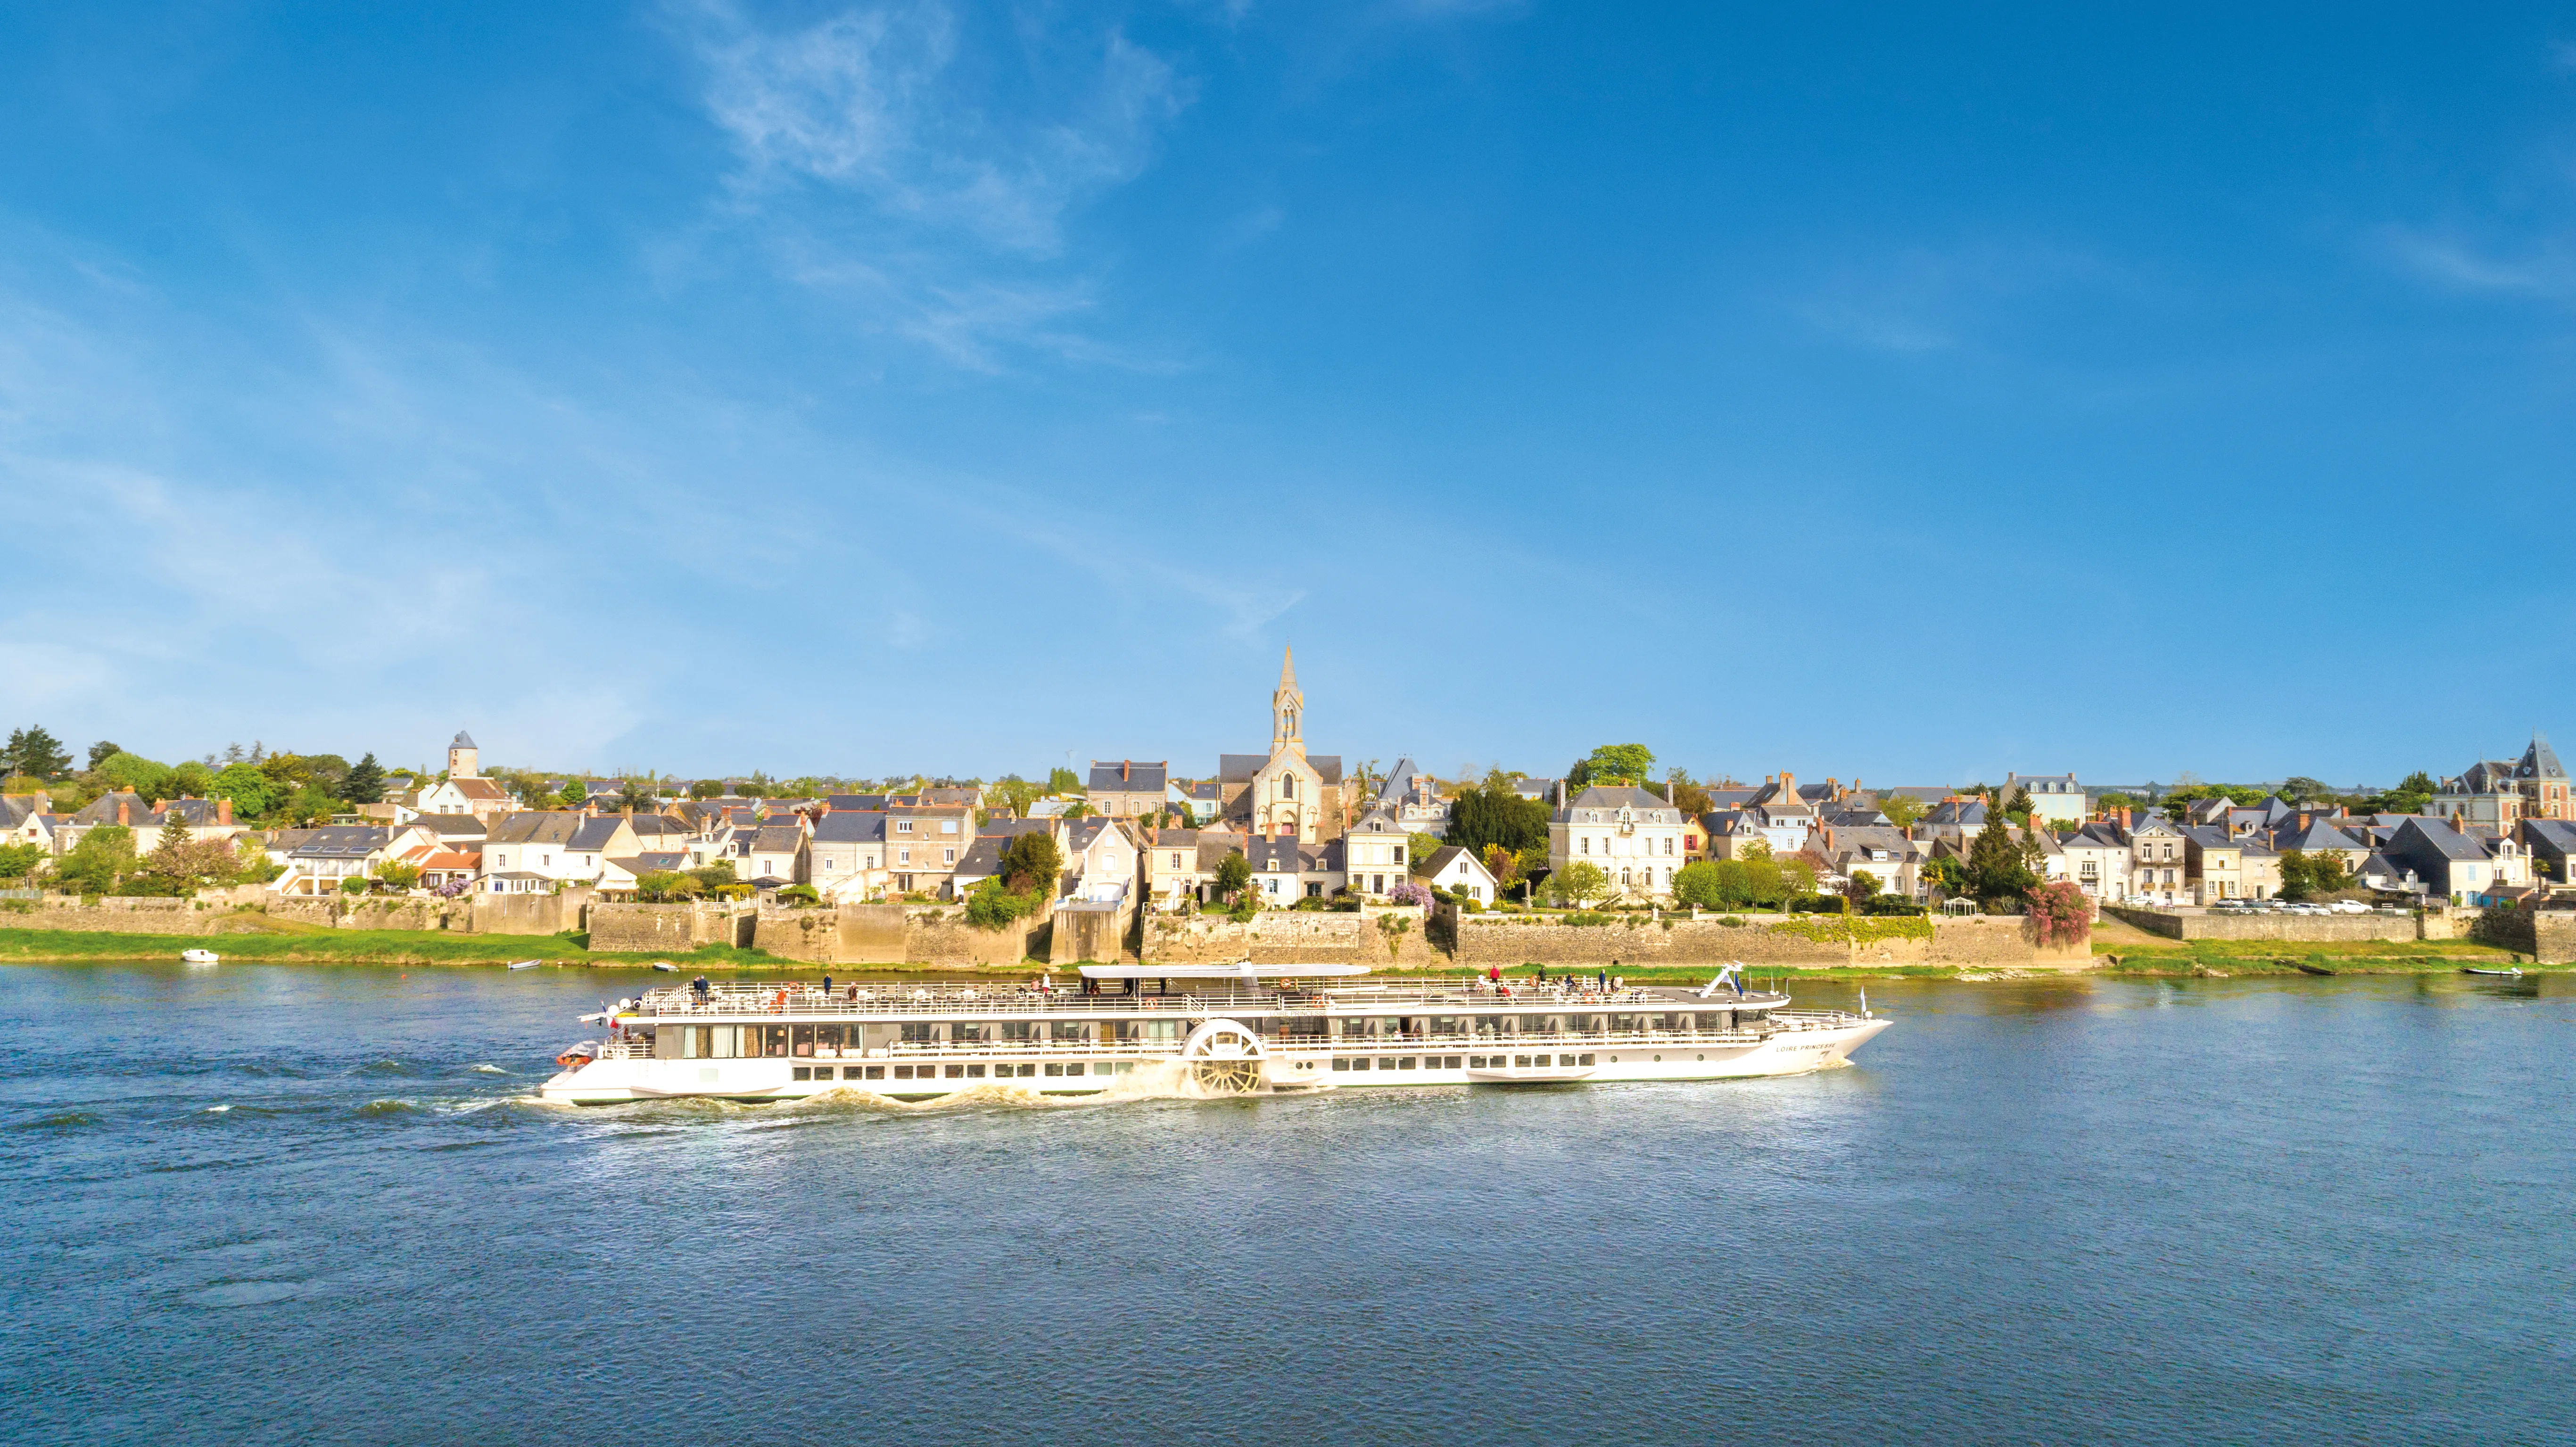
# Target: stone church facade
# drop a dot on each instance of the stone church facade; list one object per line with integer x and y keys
{"x": 1288, "y": 793}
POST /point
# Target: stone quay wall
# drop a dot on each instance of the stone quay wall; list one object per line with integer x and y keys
{"x": 666, "y": 929}
{"x": 2292, "y": 928}
{"x": 1391, "y": 938}
{"x": 2547, "y": 935}
{"x": 1812, "y": 941}
{"x": 893, "y": 934}
{"x": 120, "y": 916}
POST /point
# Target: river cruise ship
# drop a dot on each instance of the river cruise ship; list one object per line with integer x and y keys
{"x": 1187, "y": 1030}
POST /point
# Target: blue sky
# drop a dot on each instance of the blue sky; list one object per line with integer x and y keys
{"x": 1915, "y": 393}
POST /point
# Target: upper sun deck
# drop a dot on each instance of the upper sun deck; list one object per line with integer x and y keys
{"x": 1461, "y": 995}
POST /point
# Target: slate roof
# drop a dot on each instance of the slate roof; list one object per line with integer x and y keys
{"x": 1378, "y": 821}
{"x": 463, "y": 740}
{"x": 2556, "y": 836}
{"x": 478, "y": 787}
{"x": 1239, "y": 768}
{"x": 2487, "y": 776}
{"x": 865, "y": 803}
{"x": 2315, "y": 836}
{"x": 982, "y": 859}
{"x": 850, "y": 826}
{"x": 1615, "y": 796}
{"x": 1957, "y": 814}
{"x": 536, "y": 826}
{"x": 2540, "y": 761}
{"x": 2047, "y": 783}
{"x": 2435, "y": 837}
{"x": 1127, "y": 776}
{"x": 1399, "y": 782}
{"x": 102, "y": 810}
{"x": 776, "y": 839}
{"x": 1282, "y": 856}
{"x": 1448, "y": 854}
{"x": 343, "y": 841}
{"x": 657, "y": 826}
{"x": 1205, "y": 791}
{"x": 592, "y": 835}
{"x": 452, "y": 826}
{"x": 1214, "y": 846}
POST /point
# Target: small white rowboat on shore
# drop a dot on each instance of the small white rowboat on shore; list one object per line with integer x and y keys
{"x": 200, "y": 957}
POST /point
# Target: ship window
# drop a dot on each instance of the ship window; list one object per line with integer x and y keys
{"x": 974, "y": 1072}
{"x": 953, "y": 1072}
{"x": 804, "y": 1072}
{"x": 919, "y": 1032}
{"x": 1409, "y": 1063}
{"x": 1386, "y": 1062}
{"x": 1071, "y": 1030}
{"x": 966, "y": 1030}
{"x": 804, "y": 1037}
{"x": 903, "y": 1072}
{"x": 1054, "y": 1068}
{"x": 1342, "y": 1063}
{"x": 1452, "y": 1062}
{"x": 876, "y": 1072}
{"x": 828, "y": 1035}
{"x": 1016, "y": 1030}
{"x": 1520, "y": 1061}
{"x": 1359, "y": 1064}
{"x": 1586, "y": 1060}
{"x": 1074, "y": 1069}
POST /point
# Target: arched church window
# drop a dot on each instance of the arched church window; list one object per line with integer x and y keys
{"x": 1287, "y": 786}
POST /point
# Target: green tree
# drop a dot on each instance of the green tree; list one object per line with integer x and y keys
{"x": 2300, "y": 789}
{"x": 2413, "y": 795}
{"x": 1863, "y": 885}
{"x": 103, "y": 858}
{"x": 191, "y": 780}
{"x": 1233, "y": 875}
{"x": 1619, "y": 764}
{"x": 102, "y": 751}
{"x": 1031, "y": 863}
{"x": 716, "y": 876}
{"x": 1699, "y": 886}
{"x": 638, "y": 795}
{"x": 1902, "y": 810}
{"x": 707, "y": 789}
{"x": 17, "y": 861}
{"x": 1686, "y": 795}
{"x": 356, "y": 884}
{"x": 364, "y": 783}
{"x": 1015, "y": 794}
{"x": 1578, "y": 882}
{"x": 1495, "y": 814}
{"x": 250, "y": 788}
{"x": 1947, "y": 875}
{"x": 133, "y": 771}
{"x": 398, "y": 874}
{"x": 660, "y": 886}
{"x": 36, "y": 754}
{"x": 1062, "y": 781}
{"x": 573, "y": 795}
{"x": 992, "y": 906}
{"x": 1996, "y": 870}
{"x": 1419, "y": 848}
{"x": 1503, "y": 865}
{"x": 309, "y": 805}
{"x": 2017, "y": 808}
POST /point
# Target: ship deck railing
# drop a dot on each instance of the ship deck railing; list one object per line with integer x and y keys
{"x": 633, "y": 1047}
{"x": 747, "y": 1001}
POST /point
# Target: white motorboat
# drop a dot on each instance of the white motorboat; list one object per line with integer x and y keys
{"x": 524, "y": 964}
{"x": 666, "y": 967}
{"x": 1209, "y": 1030}
{"x": 200, "y": 957}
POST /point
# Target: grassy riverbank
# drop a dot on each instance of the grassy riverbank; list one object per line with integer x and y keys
{"x": 293, "y": 942}
{"x": 322, "y": 945}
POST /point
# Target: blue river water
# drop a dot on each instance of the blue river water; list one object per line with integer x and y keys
{"x": 319, "y": 1204}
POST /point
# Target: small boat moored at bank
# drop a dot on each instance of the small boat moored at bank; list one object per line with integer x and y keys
{"x": 525, "y": 964}
{"x": 200, "y": 957}
{"x": 2515, "y": 973}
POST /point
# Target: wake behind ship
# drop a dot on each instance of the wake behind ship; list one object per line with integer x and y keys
{"x": 1208, "y": 1030}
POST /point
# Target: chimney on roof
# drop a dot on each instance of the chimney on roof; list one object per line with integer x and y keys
{"x": 1788, "y": 787}
{"x": 1833, "y": 788}
{"x": 1126, "y": 769}
{"x": 125, "y": 808}
{"x": 224, "y": 812}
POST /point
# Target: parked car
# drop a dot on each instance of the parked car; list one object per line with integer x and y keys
{"x": 2348, "y": 906}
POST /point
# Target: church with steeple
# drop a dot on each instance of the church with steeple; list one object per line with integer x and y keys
{"x": 1287, "y": 793}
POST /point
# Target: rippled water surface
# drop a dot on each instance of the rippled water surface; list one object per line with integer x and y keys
{"x": 318, "y": 1204}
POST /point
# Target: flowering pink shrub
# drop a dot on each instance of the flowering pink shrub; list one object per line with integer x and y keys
{"x": 2062, "y": 913}
{"x": 1409, "y": 892}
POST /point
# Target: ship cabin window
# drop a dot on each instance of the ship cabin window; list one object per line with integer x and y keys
{"x": 1018, "y": 1029}
{"x": 1444, "y": 1025}
{"x": 966, "y": 1030}
{"x": 773, "y": 1039}
{"x": 1070, "y": 1031}
{"x": 920, "y": 1032}
{"x": 1627, "y": 1024}
{"x": 1583, "y": 1024}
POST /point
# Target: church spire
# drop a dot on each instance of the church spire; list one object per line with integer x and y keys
{"x": 1286, "y": 705}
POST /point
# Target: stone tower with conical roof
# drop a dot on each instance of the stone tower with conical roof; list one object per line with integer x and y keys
{"x": 462, "y": 757}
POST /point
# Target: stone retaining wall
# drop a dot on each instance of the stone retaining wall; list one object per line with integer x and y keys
{"x": 666, "y": 929}
{"x": 2287, "y": 928}
{"x": 893, "y": 934}
{"x": 1803, "y": 940}
{"x": 120, "y": 916}
{"x": 1392, "y": 938}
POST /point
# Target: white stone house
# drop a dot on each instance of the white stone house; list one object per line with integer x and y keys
{"x": 2054, "y": 798}
{"x": 1634, "y": 836}
{"x": 1374, "y": 853}
{"x": 1453, "y": 868}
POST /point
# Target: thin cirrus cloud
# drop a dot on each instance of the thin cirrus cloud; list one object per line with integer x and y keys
{"x": 891, "y": 160}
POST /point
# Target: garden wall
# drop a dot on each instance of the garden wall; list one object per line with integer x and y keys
{"x": 120, "y": 916}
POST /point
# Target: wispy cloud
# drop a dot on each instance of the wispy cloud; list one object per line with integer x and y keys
{"x": 1922, "y": 299}
{"x": 892, "y": 160}
{"x": 2545, "y": 271}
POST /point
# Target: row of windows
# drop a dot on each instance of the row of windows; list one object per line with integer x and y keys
{"x": 1353, "y": 1063}
{"x": 1006, "y": 1070}
{"x": 1583, "y": 845}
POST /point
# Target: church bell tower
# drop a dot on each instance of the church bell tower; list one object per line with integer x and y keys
{"x": 1286, "y": 707}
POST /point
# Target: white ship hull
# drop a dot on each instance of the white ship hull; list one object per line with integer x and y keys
{"x": 1796, "y": 1048}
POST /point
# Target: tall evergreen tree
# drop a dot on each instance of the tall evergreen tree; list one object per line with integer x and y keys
{"x": 37, "y": 754}
{"x": 1995, "y": 867}
{"x": 364, "y": 783}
